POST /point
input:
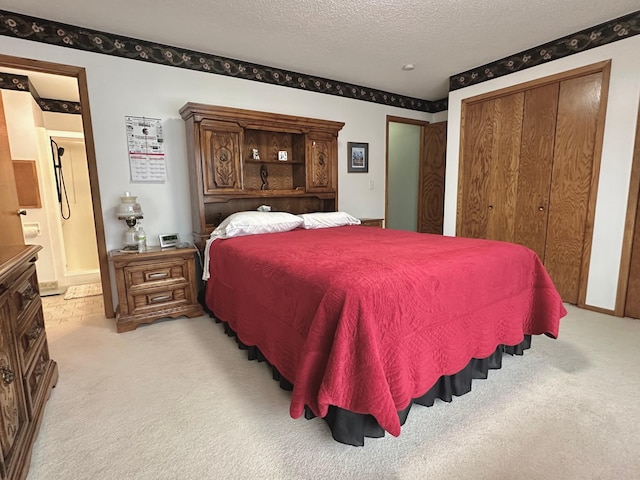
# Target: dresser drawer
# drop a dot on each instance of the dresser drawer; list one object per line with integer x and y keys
{"x": 29, "y": 335}
{"x": 34, "y": 380}
{"x": 24, "y": 292}
{"x": 167, "y": 272}
{"x": 149, "y": 301}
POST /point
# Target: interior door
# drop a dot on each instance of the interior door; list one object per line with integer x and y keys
{"x": 432, "y": 174}
{"x": 10, "y": 224}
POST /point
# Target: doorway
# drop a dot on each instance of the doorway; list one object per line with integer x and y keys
{"x": 404, "y": 149}
{"x": 415, "y": 174}
{"x": 92, "y": 199}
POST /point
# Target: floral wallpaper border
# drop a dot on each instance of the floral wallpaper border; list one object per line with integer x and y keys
{"x": 608, "y": 32}
{"x": 53, "y": 33}
{"x": 12, "y": 81}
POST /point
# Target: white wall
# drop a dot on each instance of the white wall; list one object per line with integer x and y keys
{"x": 120, "y": 87}
{"x": 617, "y": 152}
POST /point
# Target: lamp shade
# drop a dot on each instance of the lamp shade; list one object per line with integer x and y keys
{"x": 128, "y": 207}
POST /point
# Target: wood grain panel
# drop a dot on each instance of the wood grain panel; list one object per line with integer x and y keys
{"x": 507, "y": 133}
{"x": 632, "y": 303}
{"x": 10, "y": 224}
{"x": 27, "y": 186}
{"x": 536, "y": 160}
{"x": 578, "y": 107}
{"x": 432, "y": 173}
{"x": 476, "y": 166}
{"x": 632, "y": 306}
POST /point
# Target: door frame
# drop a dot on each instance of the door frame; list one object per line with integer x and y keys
{"x": 81, "y": 76}
{"x": 605, "y": 68}
{"x": 422, "y": 158}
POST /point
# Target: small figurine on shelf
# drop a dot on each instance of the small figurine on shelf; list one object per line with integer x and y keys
{"x": 256, "y": 155}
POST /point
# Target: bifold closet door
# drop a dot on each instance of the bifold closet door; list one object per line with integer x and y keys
{"x": 505, "y": 160}
{"x": 575, "y": 140}
{"x": 536, "y": 160}
{"x": 475, "y": 172}
{"x": 493, "y": 130}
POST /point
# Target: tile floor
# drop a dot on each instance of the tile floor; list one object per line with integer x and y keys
{"x": 57, "y": 310}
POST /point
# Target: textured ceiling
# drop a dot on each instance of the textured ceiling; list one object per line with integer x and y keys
{"x": 364, "y": 42}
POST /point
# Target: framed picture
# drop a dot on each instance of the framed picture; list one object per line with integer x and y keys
{"x": 358, "y": 157}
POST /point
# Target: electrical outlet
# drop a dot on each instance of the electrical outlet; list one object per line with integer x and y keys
{"x": 370, "y": 184}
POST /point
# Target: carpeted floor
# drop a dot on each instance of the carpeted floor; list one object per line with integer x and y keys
{"x": 178, "y": 400}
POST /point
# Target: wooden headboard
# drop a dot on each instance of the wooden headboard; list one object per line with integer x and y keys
{"x": 241, "y": 159}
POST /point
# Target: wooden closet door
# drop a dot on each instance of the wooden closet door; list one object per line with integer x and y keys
{"x": 476, "y": 168}
{"x": 536, "y": 160}
{"x": 632, "y": 305}
{"x": 505, "y": 159}
{"x": 432, "y": 173}
{"x": 578, "y": 106}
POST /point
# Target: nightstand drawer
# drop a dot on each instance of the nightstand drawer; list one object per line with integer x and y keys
{"x": 371, "y": 222}
{"x": 158, "y": 273}
{"x": 145, "y": 301}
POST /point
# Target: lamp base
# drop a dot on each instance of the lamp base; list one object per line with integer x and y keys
{"x": 130, "y": 238}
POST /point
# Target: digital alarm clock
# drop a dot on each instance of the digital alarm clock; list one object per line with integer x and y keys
{"x": 169, "y": 240}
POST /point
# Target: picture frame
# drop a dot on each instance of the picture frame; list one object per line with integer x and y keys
{"x": 357, "y": 157}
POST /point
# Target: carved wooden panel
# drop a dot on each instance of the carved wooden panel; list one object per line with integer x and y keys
{"x": 220, "y": 150}
{"x": 11, "y": 414}
{"x": 320, "y": 163}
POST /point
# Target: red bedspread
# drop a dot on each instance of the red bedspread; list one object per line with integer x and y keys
{"x": 367, "y": 319}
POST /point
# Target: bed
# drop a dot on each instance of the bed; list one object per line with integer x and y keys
{"x": 364, "y": 322}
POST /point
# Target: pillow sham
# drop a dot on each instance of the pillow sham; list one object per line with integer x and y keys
{"x": 327, "y": 219}
{"x": 252, "y": 222}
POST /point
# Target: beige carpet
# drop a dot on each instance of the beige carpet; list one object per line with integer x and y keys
{"x": 80, "y": 291}
{"x": 178, "y": 400}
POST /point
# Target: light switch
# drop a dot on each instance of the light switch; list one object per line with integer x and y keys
{"x": 370, "y": 184}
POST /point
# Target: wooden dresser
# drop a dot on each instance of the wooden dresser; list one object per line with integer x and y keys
{"x": 154, "y": 284}
{"x": 27, "y": 374}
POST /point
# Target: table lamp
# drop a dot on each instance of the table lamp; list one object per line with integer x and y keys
{"x": 129, "y": 211}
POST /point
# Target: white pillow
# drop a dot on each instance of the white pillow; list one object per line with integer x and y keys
{"x": 252, "y": 222}
{"x": 327, "y": 219}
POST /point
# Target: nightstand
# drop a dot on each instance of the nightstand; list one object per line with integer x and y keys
{"x": 157, "y": 283}
{"x": 371, "y": 222}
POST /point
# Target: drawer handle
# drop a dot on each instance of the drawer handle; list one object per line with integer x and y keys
{"x": 7, "y": 375}
{"x": 34, "y": 333}
{"x": 158, "y": 275}
{"x": 28, "y": 293}
{"x": 160, "y": 298}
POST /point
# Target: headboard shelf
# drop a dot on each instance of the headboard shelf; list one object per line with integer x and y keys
{"x": 242, "y": 159}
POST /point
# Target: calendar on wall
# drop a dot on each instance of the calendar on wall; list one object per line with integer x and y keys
{"x": 145, "y": 145}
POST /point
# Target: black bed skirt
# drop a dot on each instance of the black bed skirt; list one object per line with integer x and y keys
{"x": 351, "y": 428}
